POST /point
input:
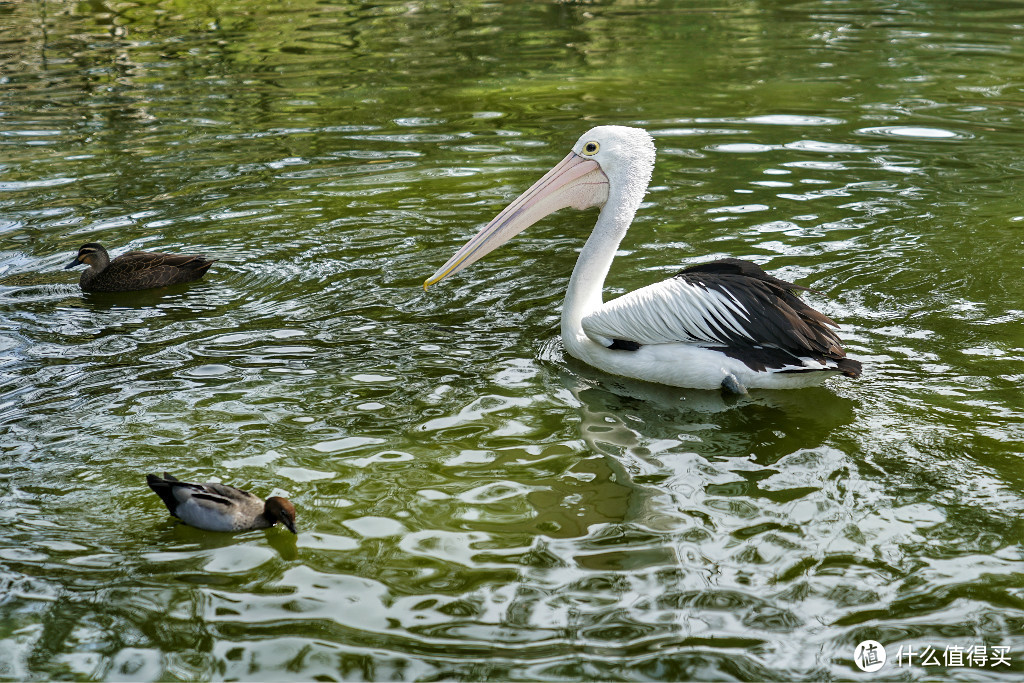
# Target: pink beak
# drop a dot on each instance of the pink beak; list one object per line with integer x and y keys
{"x": 576, "y": 181}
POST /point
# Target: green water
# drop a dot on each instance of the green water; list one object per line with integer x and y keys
{"x": 472, "y": 504}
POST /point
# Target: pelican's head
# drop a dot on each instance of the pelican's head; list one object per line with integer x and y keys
{"x": 604, "y": 160}
{"x": 621, "y": 152}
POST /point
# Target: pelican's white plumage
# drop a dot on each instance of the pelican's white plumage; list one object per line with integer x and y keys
{"x": 666, "y": 312}
{"x": 722, "y": 324}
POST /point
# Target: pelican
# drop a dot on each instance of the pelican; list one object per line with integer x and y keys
{"x": 721, "y": 325}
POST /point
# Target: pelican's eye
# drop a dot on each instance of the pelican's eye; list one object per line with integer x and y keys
{"x": 591, "y": 148}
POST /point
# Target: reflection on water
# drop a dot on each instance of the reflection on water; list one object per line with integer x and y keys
{"x": 471, "y": 503}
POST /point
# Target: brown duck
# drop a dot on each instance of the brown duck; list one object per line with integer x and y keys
{"x": 135, "y": 269}
{"x": 217, "y": 507}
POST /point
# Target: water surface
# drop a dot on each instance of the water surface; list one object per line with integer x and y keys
{"x": 472, "y": 503}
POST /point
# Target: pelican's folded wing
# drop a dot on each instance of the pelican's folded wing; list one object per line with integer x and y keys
{"x": 670, "y": 311}
{"x": 728, "y": 302}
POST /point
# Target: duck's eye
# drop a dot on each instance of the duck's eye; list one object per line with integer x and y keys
{"x": 591, "y": 148}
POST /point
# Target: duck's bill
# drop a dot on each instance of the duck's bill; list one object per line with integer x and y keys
{"x": 74, "y": 263}
{"x": 576, "y": 181}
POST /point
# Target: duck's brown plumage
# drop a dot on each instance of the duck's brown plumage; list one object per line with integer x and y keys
{"x": 218, "y": 507}
{"x": 136, "y": 270}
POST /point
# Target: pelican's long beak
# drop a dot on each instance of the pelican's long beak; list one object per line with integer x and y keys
{"x": 576, "y": 181}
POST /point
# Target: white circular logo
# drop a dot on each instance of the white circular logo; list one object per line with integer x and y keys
{"x": 869, "y": 656}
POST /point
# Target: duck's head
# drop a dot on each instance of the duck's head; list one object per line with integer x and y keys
{"x": 278, "y": 509}
{"x": 91, "y": 254}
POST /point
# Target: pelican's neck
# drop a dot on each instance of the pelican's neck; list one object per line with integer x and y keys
{"x": 587, "y": 282}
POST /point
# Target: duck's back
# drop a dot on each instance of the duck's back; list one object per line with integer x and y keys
{"x": 220, "y": 508}
{"x": 211, "y": 506}
{"x": 145, "y": 270}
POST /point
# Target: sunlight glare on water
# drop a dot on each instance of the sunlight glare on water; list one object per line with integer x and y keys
{"x": 472, "y": 503}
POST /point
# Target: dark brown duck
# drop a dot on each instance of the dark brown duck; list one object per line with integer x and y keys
{"x": 135, "y": 269}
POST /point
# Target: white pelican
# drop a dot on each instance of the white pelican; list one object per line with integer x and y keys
{"x": 725, "y": 324}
